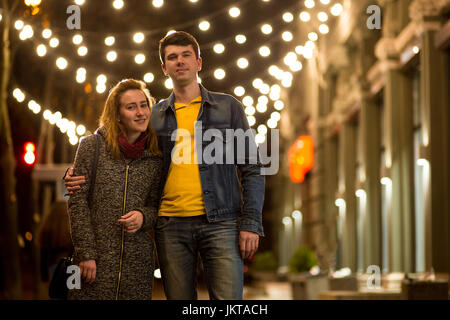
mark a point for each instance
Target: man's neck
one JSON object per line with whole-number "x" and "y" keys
{"x": 185, "y": 94}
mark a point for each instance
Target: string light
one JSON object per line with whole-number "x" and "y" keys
{"x": 322, "y": 16}
{"x": 287, "y": 36}
{"x": 54, "y": 42}
{"x": 82, "y": 51}
{"x": 19, "y": 25}
{"x": 219, "y": 48}
{"x": 77, "y": 39}
{"x": 242, "y": 63}
{"x": 149, "y": 77}
{"x": 41, "y": 50}
{"x": 26, "y": 33}
{"x": 139, "y": 58}
{"x": 118, "y": 4}
{"x": 81, "y": 75}
{"x": 46, "y": 33}
{"x": 219, "y": 73}
{"x": 266, "y": 29}
{"x": 79, "y": 2}
{"x": 288, "y": 17}
{"x": 65, "y": 126}
{"x": 111, "y": 56}
{"x": 204, "y": 25}
{"x": 239, "y": 91}
{"x": 336, "y": 9}
{"x": 234, "y": 12}
{"x": 264, "y": 51}
{"x": 310, "y": 4}
{"x": 168, "y": 84}
{"x": 109, "y": 41}
{"x": 324, "y": 29}
{"x": 278, "y": 105}
{"x": 19, "y": 95}
{"x": 158, "y": 3}
{"x": 240, "y": 38}
{"x": 305, "y": 16}
{"x": 61, "y": 63}
{"x": 247, "y": 101}
{"x": 313, "y": 36}
{"x": 250, "y": 110}
{"x": 257, "y": 83}
{"x": 138, "y": 37}
{"x": 261, "y": 108}
{"x": 251, "y": 121}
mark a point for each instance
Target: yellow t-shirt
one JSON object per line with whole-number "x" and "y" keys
{"x": 182, "y": 196}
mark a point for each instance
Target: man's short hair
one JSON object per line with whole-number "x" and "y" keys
{"x": 177, "y": 38}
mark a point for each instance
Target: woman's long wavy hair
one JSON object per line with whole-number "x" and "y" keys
{"x": 110, "y": 116}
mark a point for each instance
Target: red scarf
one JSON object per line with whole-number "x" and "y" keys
{"x": 133, "y": 151}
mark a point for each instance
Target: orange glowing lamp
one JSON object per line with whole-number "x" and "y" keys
{"x": 301, "y": 158}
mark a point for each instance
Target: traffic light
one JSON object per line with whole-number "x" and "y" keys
{"x": 29, "y": 157}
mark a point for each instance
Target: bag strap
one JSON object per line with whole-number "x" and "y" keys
{"x": 94, "y": 170}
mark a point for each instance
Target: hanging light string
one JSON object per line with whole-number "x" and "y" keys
{"x": 73, "y": 130}
{"x": 285, "y": 77}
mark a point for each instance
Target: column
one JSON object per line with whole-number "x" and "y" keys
{"x": 435, "y": 104}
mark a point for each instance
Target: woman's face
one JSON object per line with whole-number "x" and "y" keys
{"x": 134, "y": 112}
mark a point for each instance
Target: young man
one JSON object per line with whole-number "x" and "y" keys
{"x": 205, "y": 209}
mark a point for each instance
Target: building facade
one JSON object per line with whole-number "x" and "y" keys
{"x": 375, "y": 99}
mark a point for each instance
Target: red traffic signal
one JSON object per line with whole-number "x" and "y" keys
{"x": 29, "y": 157}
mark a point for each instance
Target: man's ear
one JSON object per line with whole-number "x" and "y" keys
{"x": 199, "y": 63}
{"x": 163, "y": 67}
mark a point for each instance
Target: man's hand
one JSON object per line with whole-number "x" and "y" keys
{"x": 132, "y": 221}
{"x": 73, "y": 183}
{"x": 248, "y": 243}
{"x": 88, "y": 270}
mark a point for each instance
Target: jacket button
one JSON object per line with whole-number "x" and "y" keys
{"x": 206, "y": 192}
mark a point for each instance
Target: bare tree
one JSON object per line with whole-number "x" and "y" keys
{"x": 10, "y": 248}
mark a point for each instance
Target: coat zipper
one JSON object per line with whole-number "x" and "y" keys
{"x": 123, "y": 234}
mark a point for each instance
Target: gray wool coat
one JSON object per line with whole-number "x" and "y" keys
{"x": 96, "y": 234}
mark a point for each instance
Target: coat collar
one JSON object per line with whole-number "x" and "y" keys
{"x": 207, "y": 99}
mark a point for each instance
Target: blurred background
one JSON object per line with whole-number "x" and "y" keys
{"x": 357, "y": 92}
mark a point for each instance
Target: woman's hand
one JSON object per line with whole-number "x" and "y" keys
{"x": 132, "y": 221}
{"x": 88, "y": 270}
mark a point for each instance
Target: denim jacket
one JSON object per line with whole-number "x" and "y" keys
{"x": 225, "y": 195}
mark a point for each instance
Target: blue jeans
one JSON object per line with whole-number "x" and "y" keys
{"x": 180, "y": 240}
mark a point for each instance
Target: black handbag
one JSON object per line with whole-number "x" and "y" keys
{"x": 58, "y": 285}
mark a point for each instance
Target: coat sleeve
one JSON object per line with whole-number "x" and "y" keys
{"x": 150, "y": 211}
{"x": 81, "y": 229}
{"x": 252, "y": 180}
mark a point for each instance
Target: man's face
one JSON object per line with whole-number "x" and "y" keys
{"x": 181, "y": 64}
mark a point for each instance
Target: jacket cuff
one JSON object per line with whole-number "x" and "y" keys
{"x": 252, "y": 226}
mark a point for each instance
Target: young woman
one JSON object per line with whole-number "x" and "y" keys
{"x": 112, "y": 248}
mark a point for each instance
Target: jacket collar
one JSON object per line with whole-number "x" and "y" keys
{"x": 207, "y": 98}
